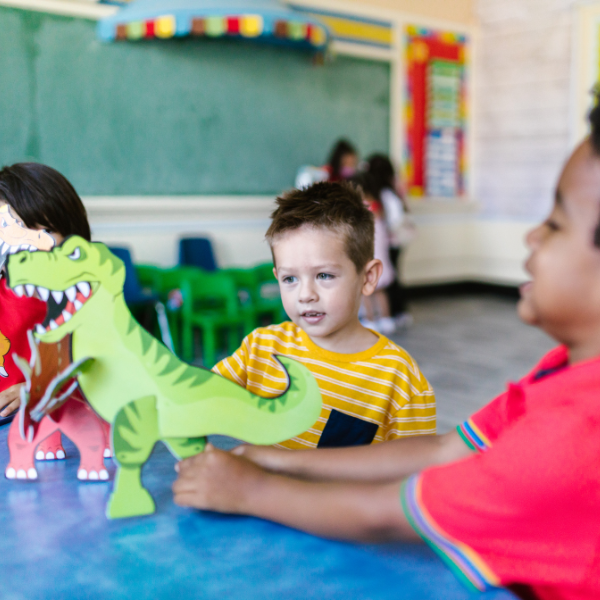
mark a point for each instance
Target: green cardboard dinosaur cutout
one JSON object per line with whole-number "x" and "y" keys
{"x": 132, "y": 381}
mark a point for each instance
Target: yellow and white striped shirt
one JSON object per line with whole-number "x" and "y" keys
{"x": 381, "y": 388}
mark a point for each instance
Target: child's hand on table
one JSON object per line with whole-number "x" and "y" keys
{"x": 217, "y": 480}
{"x": 10, "y": 399}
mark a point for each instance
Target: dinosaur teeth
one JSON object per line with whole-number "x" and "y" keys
{"x": 53, "y": 324}
{"x": 84, "y": 288}
{"x": 40, "y": 329}
{"x": 58, "y": 296}
{"x": 43, "y": 293}
{"x": 19, "y": 290}
{"x": 66, "y": 315}
{"x": 14, "y": 249}
{"x": 24, "y": 247}
{"x": 77, "y": 304}
{"x": 5, "y": 248}
{"x": 30, "y": 289}
{"x": 71, "y": 294}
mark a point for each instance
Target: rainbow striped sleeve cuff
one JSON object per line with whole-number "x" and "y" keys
{"x": 473, "y": 437}
{"x": 464, "y": 562}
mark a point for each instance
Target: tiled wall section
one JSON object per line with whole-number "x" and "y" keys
{"x": 522, "y": 92}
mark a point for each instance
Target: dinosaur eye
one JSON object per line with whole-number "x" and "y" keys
{"x": 3, "y": 223}
{"x": 76, "y": 254}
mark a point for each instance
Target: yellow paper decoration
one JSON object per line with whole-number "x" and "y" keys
{"x": 215, "y": 26}
{"x": 135, "y": 30}
{"x": 164, "y": 27}
{"x": 317, "y": 36}
{"x": 251, "y": 26}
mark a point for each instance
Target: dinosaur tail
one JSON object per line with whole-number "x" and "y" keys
{"x": 228, "y": 409}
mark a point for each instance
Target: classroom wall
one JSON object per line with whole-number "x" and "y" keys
{"x": 460, "y": 11}
{"x": 523, "y": 97}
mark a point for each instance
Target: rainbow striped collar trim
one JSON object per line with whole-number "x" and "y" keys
{"x": 473, "y": 436}
{"x": 462, "y": 560}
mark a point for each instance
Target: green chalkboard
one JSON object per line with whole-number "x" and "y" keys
{"x": 179, "y": 116}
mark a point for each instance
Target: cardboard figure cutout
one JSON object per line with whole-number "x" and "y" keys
{"x": 14, "y": 237}
{"x": 49, "y": 379}
{"x": 131, "y": 380}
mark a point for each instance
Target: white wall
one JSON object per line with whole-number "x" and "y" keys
{"x": 523, "y": 95}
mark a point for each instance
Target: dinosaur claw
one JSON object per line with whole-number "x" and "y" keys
{"x": 93, "y": 476}
{"x": 50, "y": 456}
{"x": 10, "y": 473}
{"x": 104, "y": 475}
{"x": 60, "y": 455}
{"x": 31, "y": 473}
{"x": 39, "y": 455}
{"x": 21, "y": 474}
{"x": 82, "y": 474}
{"x": 107, "y": 453}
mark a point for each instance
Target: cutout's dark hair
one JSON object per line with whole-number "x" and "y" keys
{"x": 595, "y": 141}
{"x": 336, "y": 206}
{"x": 42, "y": 197}
{"x": 341, "y": 149}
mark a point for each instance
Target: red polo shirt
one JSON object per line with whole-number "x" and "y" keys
{"x": 526, "y": 508}
{"x": 17, "y": 315}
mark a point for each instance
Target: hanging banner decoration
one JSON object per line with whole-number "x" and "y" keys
{"x": 436, "y": 113}
{"x": 267, "y": 21}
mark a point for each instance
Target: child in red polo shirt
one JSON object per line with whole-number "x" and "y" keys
{"x": 512, "y": 498}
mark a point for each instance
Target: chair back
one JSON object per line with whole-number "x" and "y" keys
{"x": 210, "y": 290}
{"x": 197, "y": 252}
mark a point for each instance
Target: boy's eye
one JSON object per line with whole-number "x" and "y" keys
{"x": 324, "y": 276}
{"x": 289, "y": 279}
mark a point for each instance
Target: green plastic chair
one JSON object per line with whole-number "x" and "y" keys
{"x": 267, "y": 298}
{"x": 211, "y": 304}
{"x": 247, "y": 284}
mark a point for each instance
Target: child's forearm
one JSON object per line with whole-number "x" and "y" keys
{"x": 388, "y": 461}
{"x": 219, "y": 481}
{"x": 349, "y": 511}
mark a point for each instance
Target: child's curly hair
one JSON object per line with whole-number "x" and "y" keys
{"x": 594, "y": 119}
{"x": 335, "y": 206}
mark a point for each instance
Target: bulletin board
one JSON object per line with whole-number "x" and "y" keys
{"x": 436, "y": 113}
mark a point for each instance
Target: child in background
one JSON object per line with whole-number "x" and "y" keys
{"x": 343, "y": 161}
{"x": 400, "y": 228}
{"x": 377, "y": 306}
{"x": 43, "y": 200}
{"x": 322, "y": 243}
{"x": 512, "y": 497}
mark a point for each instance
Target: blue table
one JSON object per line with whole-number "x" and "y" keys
{"x": 55, "y": 543}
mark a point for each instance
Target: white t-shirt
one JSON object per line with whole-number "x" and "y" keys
{"x": 394, "y": 214}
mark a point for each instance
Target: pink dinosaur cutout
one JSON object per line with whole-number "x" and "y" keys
{"x": 49, "y": 373}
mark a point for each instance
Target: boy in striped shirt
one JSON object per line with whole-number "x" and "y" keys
{"x": 322, "y": 241}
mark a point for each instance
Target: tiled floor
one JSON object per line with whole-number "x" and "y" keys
{"x": 469, "y": 347}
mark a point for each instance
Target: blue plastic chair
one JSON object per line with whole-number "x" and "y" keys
{"x": 197, "y": 252}
{"x": 132, "y": 291}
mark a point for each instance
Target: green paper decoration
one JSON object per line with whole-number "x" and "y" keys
{"x": 132, "y": 381}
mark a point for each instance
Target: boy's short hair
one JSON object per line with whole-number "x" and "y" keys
{"x": 335, "y": 206}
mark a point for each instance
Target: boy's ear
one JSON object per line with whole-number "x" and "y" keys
{"x": 275, "y": 273}
{"x": 373, "y": 271}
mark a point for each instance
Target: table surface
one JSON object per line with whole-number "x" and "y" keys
{"x": 56, "y": 542}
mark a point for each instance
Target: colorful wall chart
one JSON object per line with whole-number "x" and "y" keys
{"x": 436, "y": 113}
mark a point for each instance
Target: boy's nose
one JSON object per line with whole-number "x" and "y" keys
{"x": 532, "y": 237}
{"x": 307, "y": 293}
